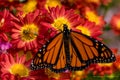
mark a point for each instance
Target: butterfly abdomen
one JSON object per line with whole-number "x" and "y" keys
{"x": 66, "y": 38}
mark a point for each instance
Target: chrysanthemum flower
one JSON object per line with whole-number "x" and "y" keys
{"x": 117, "y": 62}
{"x": 39, "y": 75}
{"x": 58, "y": 76}
{"x": 106, "y": 2}
{"x": 96, "y": 2}
{"x": 90, "y": 29}
{"x": 115, "y": 23}
{"x": 16, "y": 66}
{"x": 65, "y": 75}
{"x": 29, "y": 6}
{"x": 4, "y": 43}
{"x": 51, "y": 74}
{"x": 92, "y": 16}
{"x": 100, "y": 69}
{"x": 52, "y": 3}
{"x": 9, "y": 4}
{"x": 3, "y": 37}
{"x": 78, "y": 75}
{"x": 48, "y": 3}
{"x": 5, "y": 20}
{"x": 27, "y": 33}
{"x": 61, "y": 16}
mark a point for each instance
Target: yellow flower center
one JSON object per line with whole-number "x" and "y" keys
{"x": 77, "y": 74}
{"x": 118, "y": 24}
{"x": 91, "y": 16}
{"x": 2, "y": 22}
{"x": 52, "y": 3}
{"x": 84, "y": 30}
{"x": 19, "y": 69}
{"x": 94, "y": 1}
{"x": 30, "y": 6}
{"x": 105, "y": 64}
{"x": 58, "y": 23}
{"x": 29, "y": 32}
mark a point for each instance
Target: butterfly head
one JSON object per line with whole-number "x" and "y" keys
{"x": 65, "y": 28}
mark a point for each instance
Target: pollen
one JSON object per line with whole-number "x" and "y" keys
{"x": 52, "y": 3}
{"x": 94, "y": 1}
{"x": 29, "y": 6}
{"x": 58, "y": 23}
{"x": 19, "y": 69}
{"x": 29, "y": 32}
{"x": 105, "y": 64}
{"x": 91, "y": 16}
{"x": 84, "y": 30}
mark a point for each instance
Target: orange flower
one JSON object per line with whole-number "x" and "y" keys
{"x": 115, "y": 23}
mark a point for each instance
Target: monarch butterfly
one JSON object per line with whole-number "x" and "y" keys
{"x": 71, "y": 50}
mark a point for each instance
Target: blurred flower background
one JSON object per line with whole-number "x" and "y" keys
{"x": 26, "y": 25}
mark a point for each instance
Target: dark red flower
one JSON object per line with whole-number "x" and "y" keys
{"x": 5, "y": 19}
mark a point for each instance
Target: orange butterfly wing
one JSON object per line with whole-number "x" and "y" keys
{"x": 83, "y": 51}
{"x": 51, "y": 55}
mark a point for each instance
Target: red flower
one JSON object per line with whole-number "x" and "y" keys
{"x": 106, "y": 2}
{"x": 92, "y": 16}
{"x": 3, "y": 37}
{"x": 48, "y": 3}
{"x": 115, "y": 23}
{"x": 117, "y": 62}
{"x": 61, "y": 16}
{"x": 28, "y": 33}
{"x": 10, "y": 4}
{"x": 90, "y": 29}
{"x": 100, "y": 69}
{"x": 10, "y": 66}
{"x": 27, "y": 7}
{"x": 39, "y": 75}
{"x": 17, "y": 68}
{"x": 5, "y": 21}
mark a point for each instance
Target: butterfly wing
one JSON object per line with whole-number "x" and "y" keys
{"x": 51, "y": 55}
{"x": 85, "y": 50}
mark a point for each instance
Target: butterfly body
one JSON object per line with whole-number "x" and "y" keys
{"x": 71, "y": 50}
